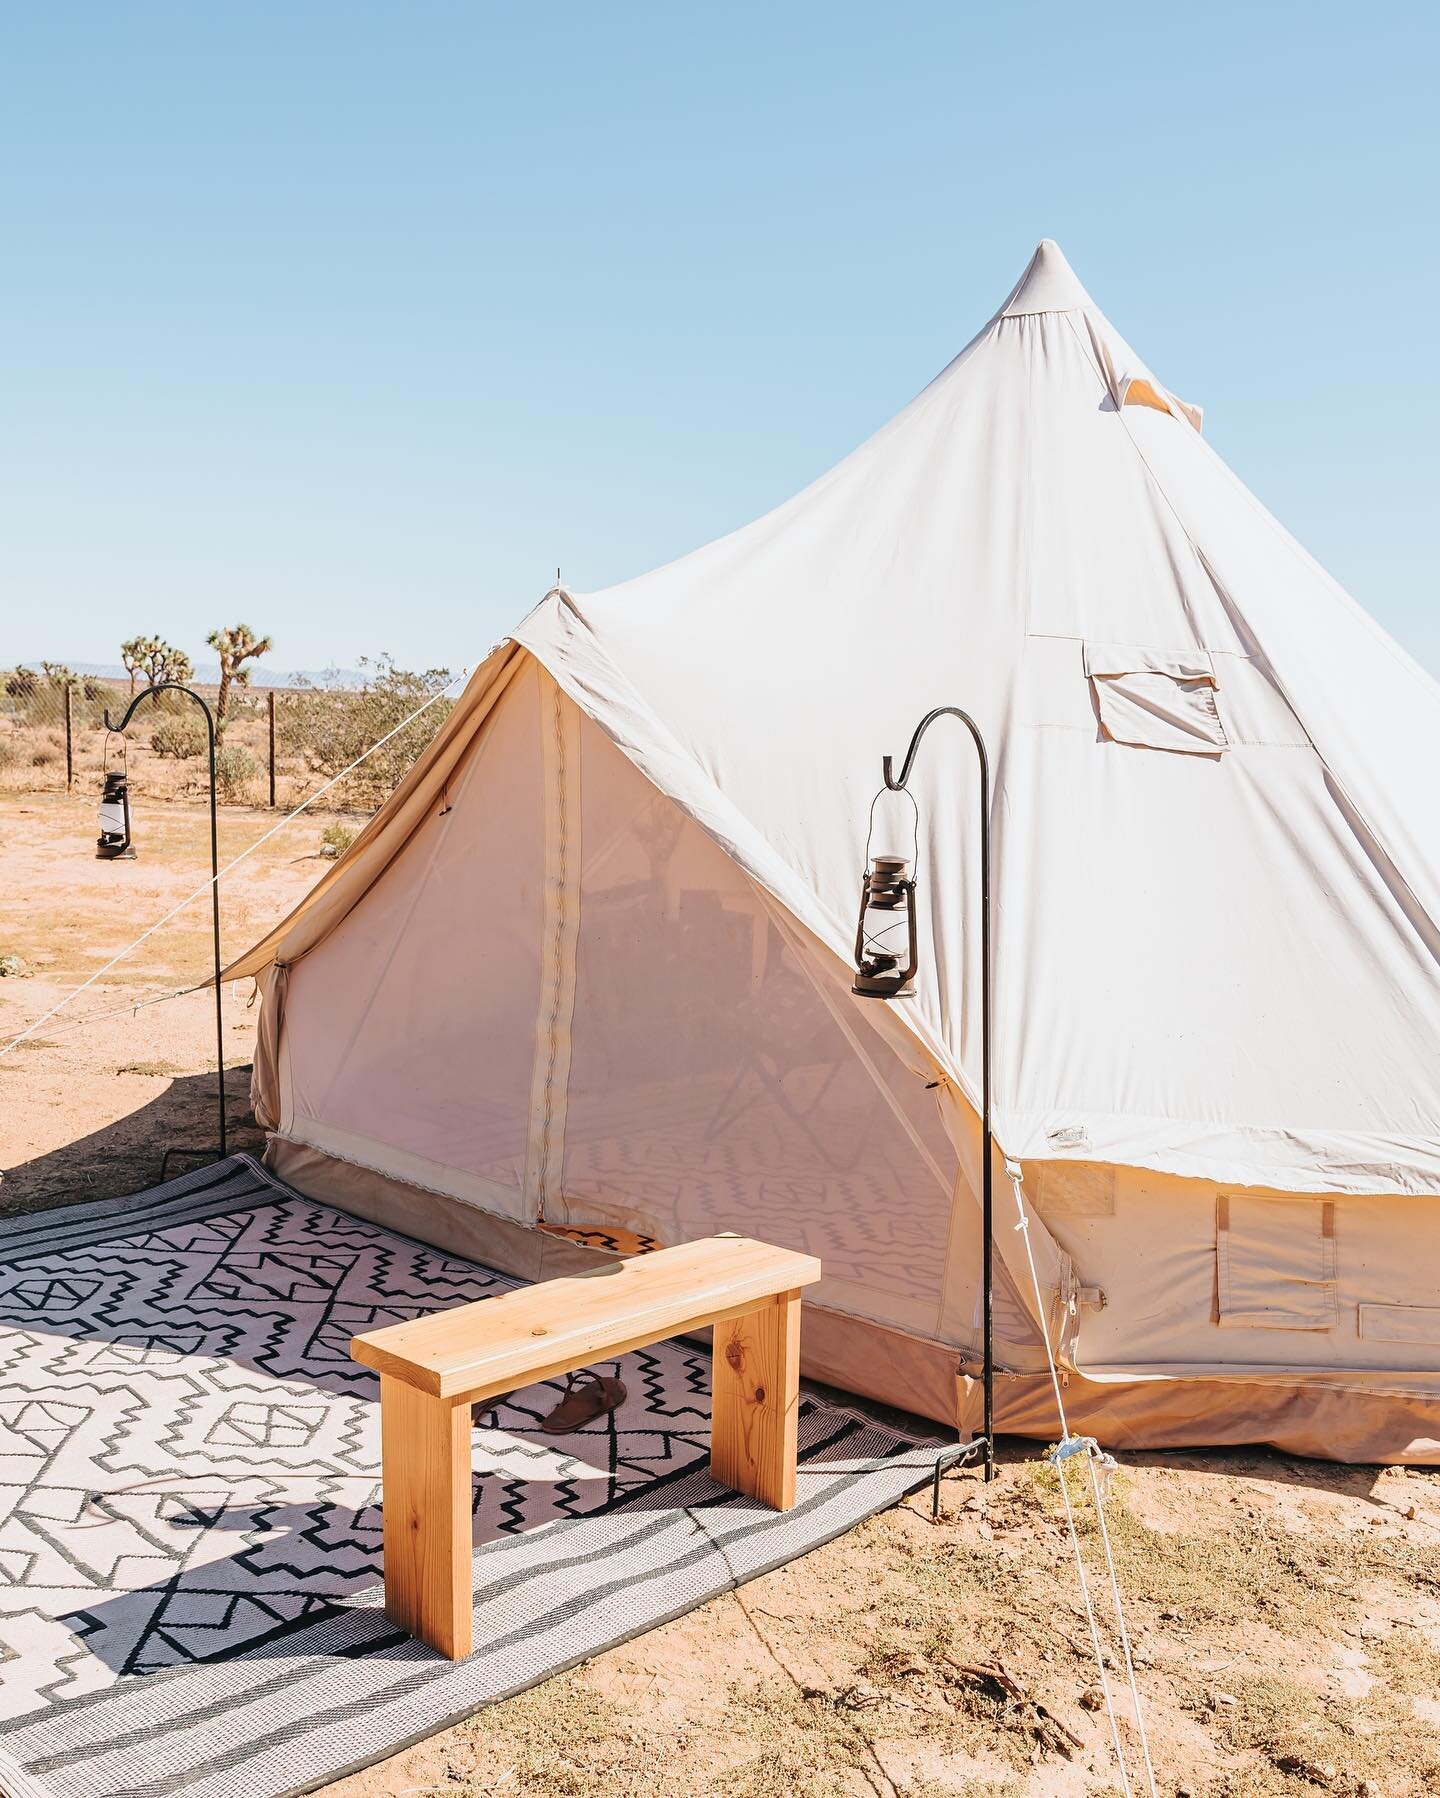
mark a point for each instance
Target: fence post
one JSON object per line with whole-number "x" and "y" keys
{"x": 69, "y": 741}
{"x": 272, "y": 748}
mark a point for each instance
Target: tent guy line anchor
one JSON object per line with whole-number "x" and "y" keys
{"x": 1066, "y": 1450}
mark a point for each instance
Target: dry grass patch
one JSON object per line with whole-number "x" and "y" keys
{"x": 1370, "y": 1745}
{"x": 1408, "y": 1662}
{"x": 806, "y": 1743}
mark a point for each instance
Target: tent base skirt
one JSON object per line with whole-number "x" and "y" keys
{"x": 1337, "y": 1420}
{"x": 871, "y": 1360}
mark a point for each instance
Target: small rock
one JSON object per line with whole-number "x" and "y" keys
{"x": 1227, "y": 1699}
{"x": 1317, "y": 1772}
{"x": 14, "y": 967}
{"x": 1091, "y": 1699}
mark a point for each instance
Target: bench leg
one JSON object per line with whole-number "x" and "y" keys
{"x": 425, "y": 1505}
{"x": 756, "y": 1405}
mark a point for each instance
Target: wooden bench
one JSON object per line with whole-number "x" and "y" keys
{"x": 434, "y": 1368}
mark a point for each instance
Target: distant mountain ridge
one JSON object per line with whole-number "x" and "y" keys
{"x": 207, "y": 674}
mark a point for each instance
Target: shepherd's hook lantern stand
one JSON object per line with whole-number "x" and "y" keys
{"x": 115, "y": 845}
{"x": 887, "y": 910}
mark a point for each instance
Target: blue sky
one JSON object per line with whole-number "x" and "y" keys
{"x": 354, "y": 320}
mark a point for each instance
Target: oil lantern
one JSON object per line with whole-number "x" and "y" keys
{"x": 885, "y": 943}
{"x": 113, "y": 843}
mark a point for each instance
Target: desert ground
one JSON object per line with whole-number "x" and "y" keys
{"x": 1286, "y": 1613}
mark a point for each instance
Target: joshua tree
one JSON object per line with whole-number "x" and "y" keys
{"x": 57, "y": 674}
{"x": 235, "y": 646}
{"x": 132, "y": 654}
{"x": 156, "y": 659}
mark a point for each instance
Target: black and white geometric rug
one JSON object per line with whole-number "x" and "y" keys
{"x": 190, "y": 1500}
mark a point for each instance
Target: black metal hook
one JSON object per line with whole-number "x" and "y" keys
{"x": 151, "y": 692}
{"x": 987, "y": 1142}
{"x": 941, "y": 711}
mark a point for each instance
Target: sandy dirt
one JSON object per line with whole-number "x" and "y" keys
{"x": 88, "y": 1104}
{"x": 1285, "y": 1613}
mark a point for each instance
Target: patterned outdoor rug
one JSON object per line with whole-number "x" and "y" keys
{"x": 189, "y": 1500}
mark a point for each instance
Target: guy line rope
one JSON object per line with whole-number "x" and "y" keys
{"x": 200, "y": 891}
{"x": 1070, "y": 1446}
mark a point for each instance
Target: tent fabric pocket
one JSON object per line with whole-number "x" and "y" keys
{"x": 1400, "y": 1323}
{"x": 1156, "y": 698}
{"x": 1275, "y": 1263}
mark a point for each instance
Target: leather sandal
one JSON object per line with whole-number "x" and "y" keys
{"x": 587, "y": 1396}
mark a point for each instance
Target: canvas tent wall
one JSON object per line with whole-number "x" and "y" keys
{"x": 590, "y": 958}
{"x": 562, "y": 1002}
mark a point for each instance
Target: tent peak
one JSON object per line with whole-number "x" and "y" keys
{"x": 1049, "y": 284}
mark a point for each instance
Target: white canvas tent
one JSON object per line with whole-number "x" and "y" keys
{"x": 590, "y": 963}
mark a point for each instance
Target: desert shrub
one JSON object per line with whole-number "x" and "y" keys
{"x": 329, "y": 727}
{"x": 92, "y": 697}
{"x": 9, "y": 753}
{"x": 22, "y": 683}
{"x": 42, "y": 758}
{"x": 179, "y": 737}
{"x": 235, "y": 768}
{"x": 336, "y": 838}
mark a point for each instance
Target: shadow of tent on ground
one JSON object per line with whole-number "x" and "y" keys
{"x": 124, "y": 1156}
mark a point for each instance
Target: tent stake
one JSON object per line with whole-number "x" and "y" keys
{"x": 987, "y": 1145}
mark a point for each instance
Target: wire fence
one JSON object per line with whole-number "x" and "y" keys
{"x": 278, "y": 745}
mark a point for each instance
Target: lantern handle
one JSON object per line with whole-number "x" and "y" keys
{"x": 110, "y": 731}
{"x": 915, "y": 835}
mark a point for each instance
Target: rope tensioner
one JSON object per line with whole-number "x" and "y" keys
{"x": 1103, "y": 1464}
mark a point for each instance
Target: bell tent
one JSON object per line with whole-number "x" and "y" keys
{"x": 589, "y": 966}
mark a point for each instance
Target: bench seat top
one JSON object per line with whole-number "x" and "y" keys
{"x": 518, "y": 1338}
